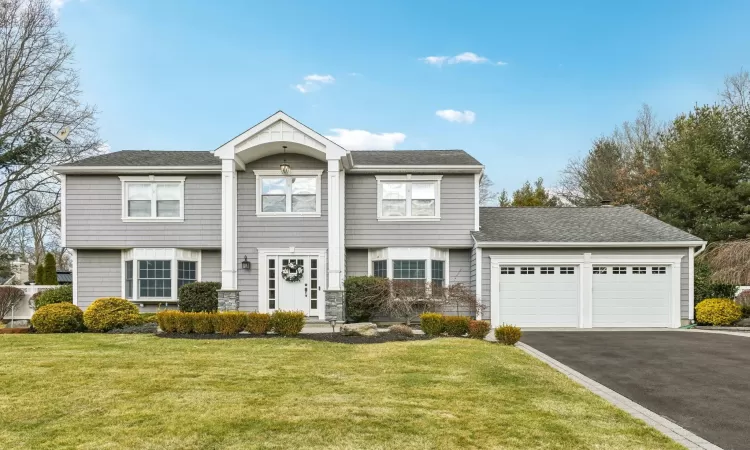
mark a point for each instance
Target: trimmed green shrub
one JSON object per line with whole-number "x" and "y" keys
{"x": 432, "y": 324}
{"x": 184, "y": 323}
{"x": 39, "y": 277}
{"x": 365, "y": 296}
{"x": 167, "y": 321}
{"x": 717, "y": 311}
{"x": 58, "y": 318}
{"x": 109, "y": 313}
{"x": 508, "y": 334}
{"x": 401, "y": 330}
{"x": 148, "y": 318}
{"x": 705, "y": 287}
{"x": 456, "y": 325}
{"x": 203, "y": 322}
{"x": 50, "y": 270}
{"x": 288, "y": 323}
{"x": 230, "y": 323}
{"x": 63, "y": 294}
{"x": 201, "y": 296}
{"x": 478, "y": 329}
{"x": 258, "y": 323}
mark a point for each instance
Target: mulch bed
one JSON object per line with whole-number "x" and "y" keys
{"x": 146, "y": 328}
{"x": 323, "y": 337}
{"x": 15, "y": 330}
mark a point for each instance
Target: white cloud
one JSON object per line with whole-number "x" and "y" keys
{"x": 456, "y": 116}
{"x": 313, "y": 83}
{"x": 364, "y": 140}
{"x": 502, "y": 63}
{"x": 465, "y": 57}
{"x": 315, "y": 78}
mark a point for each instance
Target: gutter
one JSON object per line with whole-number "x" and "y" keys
{"x": 416, "y": 169}
{"x": 120, "y": 170}
{"x": 589, "y": 244}
{"x": 702, "y": 248}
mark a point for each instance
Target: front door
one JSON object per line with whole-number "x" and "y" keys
{"x": 298, "y": 284}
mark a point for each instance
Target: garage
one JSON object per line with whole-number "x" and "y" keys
{"x": 539, "y": 296}
{"x": 631, "y": 295}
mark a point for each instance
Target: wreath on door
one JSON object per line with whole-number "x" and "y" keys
{"x": 292, "y": 272}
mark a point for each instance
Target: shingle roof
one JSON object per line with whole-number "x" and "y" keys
{"x": 413, "y": 158}
{"x": 567, "y": 225}
{"x": 142, "y": 158}
{"x": 64, "y": 277}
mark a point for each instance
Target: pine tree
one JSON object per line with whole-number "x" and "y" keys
{"x": 39, "y": 278}
{"x": 50, "y": 270}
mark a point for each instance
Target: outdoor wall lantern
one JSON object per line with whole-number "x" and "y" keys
{"x": 245, "y": 264}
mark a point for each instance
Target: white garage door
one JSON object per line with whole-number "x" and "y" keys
{"x": 539, "y": 296}
{"x": 631, "y": 296}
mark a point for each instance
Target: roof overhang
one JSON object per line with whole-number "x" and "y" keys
{"x": 121, "y": 170}
{"x": 662, "y": 244}
{"x": 416, "y": 169}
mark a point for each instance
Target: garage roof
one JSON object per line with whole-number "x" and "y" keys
{"x": 603, "y": 224}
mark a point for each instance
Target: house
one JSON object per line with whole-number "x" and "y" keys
{"x": 281, "y": 215}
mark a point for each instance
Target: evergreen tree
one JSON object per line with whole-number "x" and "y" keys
{"x": 530, "y": 196}
{"x": 39, "y": 278}
{"x": 50, "y": 270}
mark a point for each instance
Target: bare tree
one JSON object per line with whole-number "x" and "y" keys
{"x": 729, "y": 262}
{"x": 487, "y": 196}
{"x": 39, "y": 96}
{"x": 736, "y": 92}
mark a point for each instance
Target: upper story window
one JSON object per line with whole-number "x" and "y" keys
{"x": 297, "y": 194}
{"x": 409, "y": 197}
{"x": 153, "y": 199}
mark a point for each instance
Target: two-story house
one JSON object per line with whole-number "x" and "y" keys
{"x": 281, "y": 215}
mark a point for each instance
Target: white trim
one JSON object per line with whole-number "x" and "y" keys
{"x": 118, "y": 170}
{"x": 63, "y": 211}
{"x": 265, "y": 253}
{"x": 261, "y": 174}
{"x": 477, "y": 189}
{"x": 152, "y": 180}
{"x": 415, "y": 169}
{"x": 512, "y": 244}
{"x": 691, "y": 283}
{"x": 74, "y": 264}
{"x": 174, "y": 255}
{"x": 335, "y": 231}
{"x": 478, "y": 279}
{"x": 228, "y": 225}
{"x": 408, "y": 179}
{"x": 426, "y": 254}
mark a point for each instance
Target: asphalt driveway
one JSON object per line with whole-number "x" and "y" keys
{"x": 700, "y": 381}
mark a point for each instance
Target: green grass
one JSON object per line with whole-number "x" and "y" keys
{"x": 129, "y": 391}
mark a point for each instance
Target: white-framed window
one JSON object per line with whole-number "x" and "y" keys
{"x": 156, "y": 274}
{"x": 618, "y": 270}
{"x": 660, "y": 270}
{"x": 568, "y": 270}
{"x": 527, "y": 271}
{"x": 547, "y": 270}
{"x": 600, "y": 270}
{"x": 507, "y": 270}
{"x": 640, "y": 270}
{"x": 296, "y": 194}
{"x": 380, "y": 268}
{"x": 423, "y": 265}
{"x": 408, "y": 197}
{"x": 153, "y": 198}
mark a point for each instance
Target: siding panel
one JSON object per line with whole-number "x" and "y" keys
{"x": 356, "y": 263}
{"x": 99, "y": 275}
{"x": 211, "y": 265}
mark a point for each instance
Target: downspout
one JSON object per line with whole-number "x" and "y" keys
{"x": 703, "y": 247}
{"x": 697, "y": 252}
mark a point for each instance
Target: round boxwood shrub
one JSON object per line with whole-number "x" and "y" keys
{"x": 58, "y": 318}
{"x": 63, "y": 294}
{"x": 508, "y": 334}
{"x": 109, "y": 313}
{"x": 478, "y": 329}
{"x": 288, "y": 323}
{"x": 717, "y": 311}
{"x": 365, "y": 296}
{"x": 456, "y": 325}
{"x": 201, "y": 296}
{"x": 432, "y": 324}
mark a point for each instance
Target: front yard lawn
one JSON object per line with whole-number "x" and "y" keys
{"x": 135, "y": 391}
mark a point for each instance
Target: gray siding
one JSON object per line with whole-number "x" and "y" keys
{"x": 453, "y": 230}
{"x": 94, "y": 215}
{"x": 473, "y": 270}
{"x": 356, "y": 263}
{"x": 460, "y": 266}
{"x": 255, "y": 232}
{"x": 684, "y": 270}
{"x": 99, "y": 275}
{"x": 211, "y": 265}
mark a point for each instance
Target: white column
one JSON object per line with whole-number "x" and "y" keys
{"x": 587, "y": 292}
{"x": 228, "y": 225}
{"x": 478, "y": 280}
{"x": 335, "y": 231}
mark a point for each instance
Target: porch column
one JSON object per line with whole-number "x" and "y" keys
{"x": 334, "y": 296}
{"x": 228, "y": 295}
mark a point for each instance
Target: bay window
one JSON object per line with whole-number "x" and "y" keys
{"x": 408, "y": 197}
{"x": 156, "y": 274}
{"x": 295, "y": 195}
{"x": 153, "y": 198}
{"x": 423, "y": 266}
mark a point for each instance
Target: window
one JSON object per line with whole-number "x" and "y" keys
{"x": 507, "y": 270}
{"x": 313, "y": 283}
{"x": 128, "y": 279}
{"x": 567, "y": 270}
{"x": 661, "y": 270}
{"x": 547, "y": 270}
{"x": 409, "y": 197}
{"x": 527, "y": 271}
{"x": 619, "y": 270}
{"x": 380, "y": 268}
{"x": 152, "y": 198}
{"x": 185, "y": 273}
{"x": 413, "y": 271}
{"x": 298, "y": 194}
{"x": 438, "y": 273}
{"x": 639, "y": 270}
{"x": 599, "y": 270}
{"x": 155, "y": 279}
{"x": 272, "y": 283}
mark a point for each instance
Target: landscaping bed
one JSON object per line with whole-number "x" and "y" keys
{"x": 322, "y": 337}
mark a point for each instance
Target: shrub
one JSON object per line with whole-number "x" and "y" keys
{"x": 258, "y": 323}
{"x": 365, "y": 296}
{"x": 58, "y": 318}
{"x": 110, "y": 312}
{"x": 508, "y": 334}
{"x": 432, "y": 324}
{"x": 183, "y": 323}
{"x": 148, "y": 318}
{"x": 39, "y": 277}
{"x": 203, "y": 322}
{"x": 288, "y": 323}
{"x": 63, "y": 294}
{"x": 50, "y": 270}
{"x": 200, "y": 297}
{"x": 743, "y": 299}
{"x": 167, "y": 321}
{"x": 401, "y": 330}
{"x": 10, "y": 297}
{"x": 230, "y": 323}
{"x": 705, "y": 287}
{"x": 478, "y": 329}
{"x": 456, "y": 325}
{"x": 717, "y": 311}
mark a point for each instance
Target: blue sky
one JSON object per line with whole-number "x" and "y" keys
{"x": 192, "y": 74}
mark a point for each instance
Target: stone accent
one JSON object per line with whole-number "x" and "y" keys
{"x": 359, "y": 329}
{"x": 229, "y": 300}
{"x": 335, "y": 306}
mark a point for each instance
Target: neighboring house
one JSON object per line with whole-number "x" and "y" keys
{"x": 280, "y": 197}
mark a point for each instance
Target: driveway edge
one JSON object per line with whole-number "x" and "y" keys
{"x": 667, "y": 427}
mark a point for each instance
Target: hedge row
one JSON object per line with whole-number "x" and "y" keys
{"x": 284, "y": 323}
{"x": 103, "y": 315}
{"x": 435, "y": 324}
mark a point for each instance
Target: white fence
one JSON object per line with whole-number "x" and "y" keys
{"x": 25, "y": 308}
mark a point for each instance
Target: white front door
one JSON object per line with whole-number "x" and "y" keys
{"x": 301, "y": 295}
